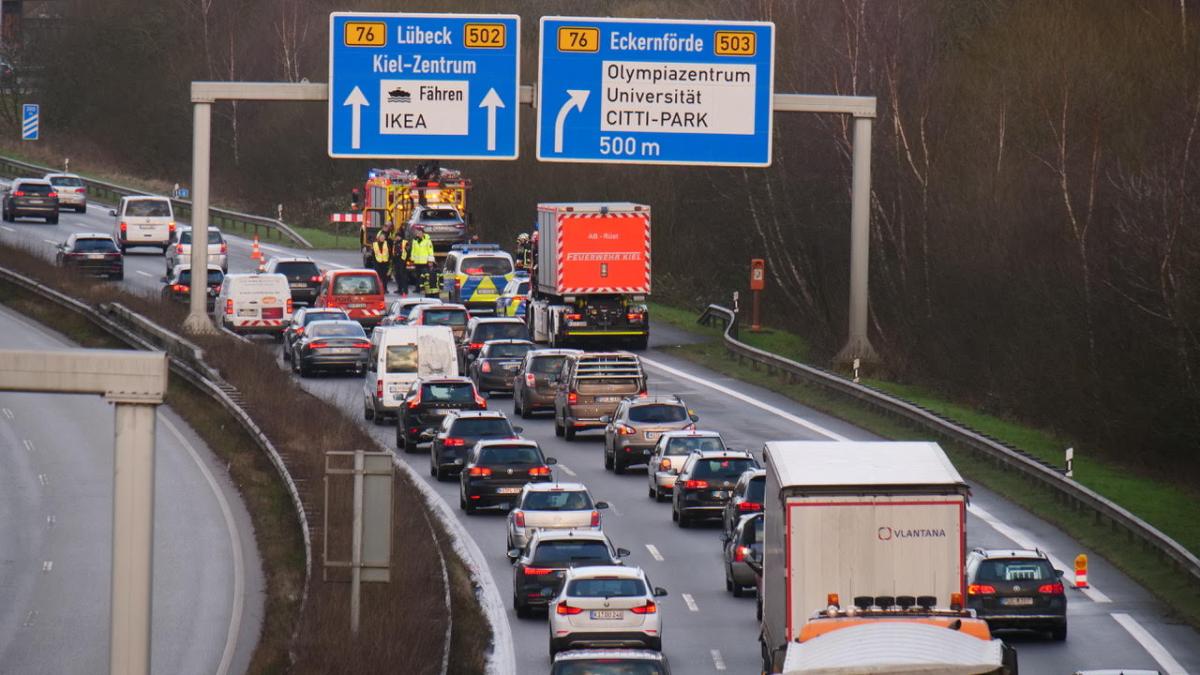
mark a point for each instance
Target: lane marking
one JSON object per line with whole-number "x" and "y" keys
{"x": 47, "y": 566}
{"x": 30, "y": 618}
{"x": 51, "y": 242}
{"x": 1023, "y": 540}
{"x": 654, "y": 552}
{"x": 28, "y": 445}
{"x": 10, "y": 229}
{"x": 235, "y": 543}
{"x": 816, "y": 428}
{"x": 1169, "y": 665}
{"x": 50, "y": 520}
{"x": 43, "y": 479}
{"x": 690, "y": 602}
{"x": 567, "y": 470}
{"x": 718, "y": 660}
{"x": 612, "y": 506}
{"x": 145, "y": 274}
{"x": 9, "y": 414}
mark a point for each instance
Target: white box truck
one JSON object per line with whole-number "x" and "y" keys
{"x": 859, "y": 519}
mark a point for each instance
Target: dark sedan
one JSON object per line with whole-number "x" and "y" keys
{"x": 92, "y": 254}
{"x": 331, "y": 345}
{"x": 495, "y": 472}
{"x": 460, "y": 431}
{"x": 300, "y": 321}
{"x": 497, "y": 364}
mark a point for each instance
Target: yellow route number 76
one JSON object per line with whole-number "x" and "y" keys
{"x": 365, "y": 34}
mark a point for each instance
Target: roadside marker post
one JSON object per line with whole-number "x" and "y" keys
{"x": 1081, "y": 565}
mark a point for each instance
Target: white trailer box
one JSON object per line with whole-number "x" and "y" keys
{"x": 857, "y": 519}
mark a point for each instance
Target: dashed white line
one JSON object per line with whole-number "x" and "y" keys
{"x": 28, "y": 445}
{"x": 718, "y": 660}
{"x": 10, "y": 229}
{"x": 43, "y": 479}
{"x": 145, "y": 274}
{"x": 50, "y": 520}
{"x": 1169, "y": 665}
{"x": 47, "y": 566}
{"x": 30, "y": 618}
{"x": 654, "y": 552}
{"x": 690, "y": 602}
{"x": 9, "y": 414}
{"x": 567, "y": 470}
{"x": 613, "y": 507}
{"x": 51, "y": 242}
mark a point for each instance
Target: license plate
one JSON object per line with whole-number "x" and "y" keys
{"x": 607, "y": 614}
{"x": 95, "y": 256}
{"x": 357, "y": 305}
{"x": 247, "y": 312}
{"x": 576, "y": 324}
{"x": 508, "y": 490}
{"x": 296, "y": 285}
{"x": 511, "y": 366}
{"x": 145, "y": 227}
{"x": 607, "y": 399}
{"x": 651, "y": 435}
{"x": 458, "y": 460}
{"x": 1016, "y": 602}
{"x": 720, "y": 494}
{"x": 341, "y": 350}
{"x": 395, "y": 388}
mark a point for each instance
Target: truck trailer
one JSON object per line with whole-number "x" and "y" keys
{"x": 591, "y": 275}
{"x": 877, "y": 521}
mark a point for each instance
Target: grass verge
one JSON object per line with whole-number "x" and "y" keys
{"x": 1151, "y": 500}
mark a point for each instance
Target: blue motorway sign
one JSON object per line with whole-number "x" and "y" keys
{"x": 646, "y": 91}
{"x": 30, "y": 121}
{"x": 424, "y": 85}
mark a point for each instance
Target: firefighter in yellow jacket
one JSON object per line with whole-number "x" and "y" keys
{"x": 421, "y": 254}
{"x": 381, "y": 253}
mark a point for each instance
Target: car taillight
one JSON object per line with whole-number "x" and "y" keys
{"x": 379, "y": 391}
{"x": 170, "y": 227}
{"x": 573, "y": 317}
{"x": 695, "y": 484}
{"x": 572, "y": 398}
{"x": 564, "y": 608}
{"x": 519, "y": 518}
{"x": 486, "y": 367}
{"x": 530, "y": 379}
{"x": 179, "y": 288}
{"x": 475, "y": 346}
{"x": 299, "y": 329}
{"x": 53, "y": 195}
{"x": 741, "y": 553}
{"x": 540, "y": 471}
{"x": 665, "y": 465}
{"x": 290, "y": 306}
{"x": 747, "y": 507}
{"x": 595, "y": 519}
{"x": 19, "y": 193}
{"x": 537, "y": 571}
{"x": 648, "y": 608}
{"x": 980, "y": 589}
{"x": 481, "y": 402}
{"x": 318, "y": 344}
{"x": 452, "y": 442}
{"x": 179, "y": 248}
{"x": 315, "y": 279}
{"x": 643, "y": 394}
{"x": 634, "y": 318}
{"x": 229, "y": 306}
{"x": 224, "y": 248}
{"x": 1055, "y": 588}
{"x": 626, "y": 430}
{"x": 361, "y": 345}
{"x": 124, "y": 228}
{"x": 479, "y": 471}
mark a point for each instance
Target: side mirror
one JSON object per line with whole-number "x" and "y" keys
{"x": 1058, "y": 573}
{"x": 600, "y": 506}
{"x": 112, "y": 212}
{"x": 606, "y": 419}
{"x": 519, "y": 430}
{"x": 550, "y": 461}
{"x": 659, "y": 592}
{"x": 623, "y": 553}
{"x": 694, "y": 417}
{"x": 513, "y": 554}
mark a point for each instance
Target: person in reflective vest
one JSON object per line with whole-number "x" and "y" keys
{"x": 421, "y": 253}
{"x": 382, "y": 255}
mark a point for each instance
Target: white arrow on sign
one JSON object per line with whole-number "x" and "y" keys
{"x": 357, "y": 100}
{"x": 491, "y": 102}
{"x": 578, "y": 98}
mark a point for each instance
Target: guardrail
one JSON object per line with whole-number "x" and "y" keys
{"x": 1070, "y": 492}
{"x": 186, "y": 360}
{"x": 110, "y": 193}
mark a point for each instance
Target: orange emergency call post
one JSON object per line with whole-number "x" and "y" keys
{"x": 758, "y": 278}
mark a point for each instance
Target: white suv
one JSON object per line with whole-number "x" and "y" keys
{"x": 606, "y": 606}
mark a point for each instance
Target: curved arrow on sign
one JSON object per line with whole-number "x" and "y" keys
{"x": 578, "y": 98}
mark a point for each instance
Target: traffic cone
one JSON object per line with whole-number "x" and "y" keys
{"x": 1081, "y": 580}
{"x": 255, "y": 251}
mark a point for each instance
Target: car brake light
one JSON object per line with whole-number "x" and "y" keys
{"x": 519, "y": 518}
{"x": 595, "y": 519}
{"x": 229, "y": 306}
{"x": 749, "y": 506}
{"x": 19, "y": 193}
{"x": 52, "y": 195}
{"x": 626, "y": 430}
{"x": 695, "y": 484}
{"x": 481, "y": 402}
{"x": 475, "y": 346}
{"x": 179, "y": 288}
{"x": 299, "y": 329}
{"x": 648, "y": 608}
{"x": 290, "y": 306}
{"x": 574, "y": 317}
{"x": 572, "y": 398}
{"x": 540, "y": 471}
{"x": 179, "y": 248}
{"x": 537, "y": 571}
{"x": 564, "y": 608}
{"x": 170, "y": 227}
{"x": 224, "y": 248}
{"x": 486, "y": 367}
{"x": 1055, "y": 588}
{"x": 361, "y": 345}
{"x": 315, "y": 279}
{"x": 452, "y": 442}
{"x": 741, "y": 553}
{"x": 479, "y": 471}
{"x": 124, "y": 228}
{"x": 379, "y": 391}
{"x": 980, "y": 589}
{"x": 665, "y": 465}
{"x": 634, "y": 318}
{"x": 318, "y": 344}
{"x": 645, "y": 394}
{"x": 530, "y": 379}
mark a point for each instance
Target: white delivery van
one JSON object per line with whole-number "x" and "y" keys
{"x": 254, "y": 303}
{"x": 144, "y": 221}
{"x": 874, "y": 520}
{"x": 399, "y": 356}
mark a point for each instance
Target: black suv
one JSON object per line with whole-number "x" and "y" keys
{"x": 459, "y": 433}
{"x": 427, "y": 402}
{"x": 303, "y": 275}
{"x": 1017, "y": 589}
{"x": 496, "y": 366}
{"x": 705, "y": 484}
{"x": 32, "y": 197}
{"x": 496, "y": 470}
{"x": 482, "y": 329}
{"x": 538, "y": 571}
{"x": 747, "y": 499}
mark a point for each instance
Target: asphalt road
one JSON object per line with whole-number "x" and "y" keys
{"x": 1118, "y": 625}
{"x": 56, "y": 533}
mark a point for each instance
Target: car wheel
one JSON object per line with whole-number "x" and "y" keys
{"x": 51, "y": 220}
{"x": 758, "y": 608}
{"x": 1059, "y": 633}
{"x": 660, "y": 496}
{"x": 618, "y": 467}
{"x": 521, "y": 608}
{"x": 729, "y": 581}
{"x": 568, "y": 431}
{"x": 738, "y": 591}
{"x": 655, "y": 644}
{"x": 304, "y": 370}
{"x": 409, "y": 448}
{"x": 558, "y": 427}
{"x": 166, "y": 248}
{"x": 674, "y": 514}
{"x": 468, "y": 506}
{"x": 653, "y": 493}
{"x": 440, "y": 473}
{"x": 381, "y": 420}
{"x": 517, "y": 405}
{"x": 608, "y": 461}
{"x": 401, "y": 441}
{"x": 82, "y": 208}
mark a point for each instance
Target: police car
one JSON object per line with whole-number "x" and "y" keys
{"x": 475, "y": 275}
{"x": 515, "y": 297}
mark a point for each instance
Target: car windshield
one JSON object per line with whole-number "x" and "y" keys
{"x": 356, "y": 284}
{"x": 66, "y": 181}
{"x": 407, "y": 310}
{"x": 148, "y": 208}
{"x": 214, "y": 237}
{"x": 756, "y": 488}
{"x": 684, "y": 446}
{"x": 657, "y": 414}
{"x": 443, "y": 317}
{"x": 448, "y": 392}
{"x": 330, "y": 329}
{"x": 557, "y": 500}
{"x": 311, "y": 316}
{"x": 606, "y": 588}
{"x": 547, "y": 365}
{"x": 297, "y": 269}
{"x": 482, "y": 427}
{"x": 608, "y": 665}
{"x": 510, "y": 454}
{"x": 214, "y": 277}
{"x": 725, "y": 468}
{"x": 439, "y": 214}
{"x": 1015, "y": 570}
{"x": 402, "y": 358}
{"x": 562, "y": 553}
{"x": 494, "y": 265}
{"x": 508, "y": 351}
{"x": 95, "y": 245}
{"x": 501, "y": 331}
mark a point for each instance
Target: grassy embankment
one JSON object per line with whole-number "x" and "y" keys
{"x": 1167, "y": 506}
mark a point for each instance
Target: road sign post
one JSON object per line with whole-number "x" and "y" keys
{"x": 371, "y": 520}
{"x": 31, "y": 114}
{"x": 424, "y": 85}
{"x": 647, "y": 91}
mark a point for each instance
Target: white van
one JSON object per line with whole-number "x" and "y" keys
{"x": 254, "y": 303}
{"x": 144, "y": 221}
{"x": 399, "y": 356}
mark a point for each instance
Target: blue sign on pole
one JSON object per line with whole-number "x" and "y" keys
{"x": 30, "y": 121}
{"x": 646, "y": 91}
{"x": 424, "y": 85}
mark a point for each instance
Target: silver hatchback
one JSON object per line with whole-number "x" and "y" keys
{"x": 552, "y": 506}
{"x": 671, "y": 452}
